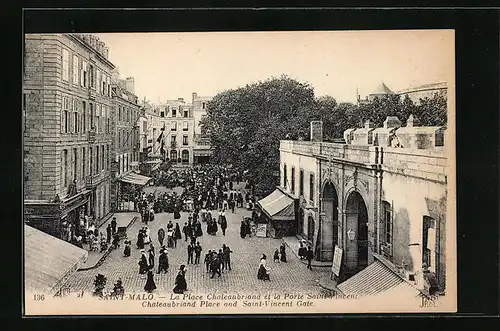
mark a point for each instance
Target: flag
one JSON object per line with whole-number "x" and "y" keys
{"x": 160, "y": 137}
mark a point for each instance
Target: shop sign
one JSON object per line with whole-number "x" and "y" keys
{"x": 261, "y": 230}
{"x": 337, "y": 261}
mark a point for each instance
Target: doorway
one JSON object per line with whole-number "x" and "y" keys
{"x": 357, "y": 219}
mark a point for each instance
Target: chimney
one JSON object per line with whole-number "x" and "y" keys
{"x": 194, "y": 97}
{"x": 392, "y": 122}
{"x": 316, "y": 131}
{"x": 180, "y": 99}
{"x": 130, "y": 84}
{"x": 368, "y": 124}
{"x": 412, "y": 121}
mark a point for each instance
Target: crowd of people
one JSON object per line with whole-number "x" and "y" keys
{"x": 208, "y": 194}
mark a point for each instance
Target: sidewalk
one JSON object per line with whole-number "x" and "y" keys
{"x": 96, "y": 258}
{"x": 294, "y": 244}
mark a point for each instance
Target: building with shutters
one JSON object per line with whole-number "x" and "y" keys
{"x": 67, "y": 131}
{"x": 125, "y": 147}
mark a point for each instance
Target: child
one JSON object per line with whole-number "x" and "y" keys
{"x": 276, "y": 256}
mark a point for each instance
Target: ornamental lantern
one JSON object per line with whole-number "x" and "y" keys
{"x": 351, "y": 234}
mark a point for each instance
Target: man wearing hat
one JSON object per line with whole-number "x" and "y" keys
{"x": 113, "y": 225}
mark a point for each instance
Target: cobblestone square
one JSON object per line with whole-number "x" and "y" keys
{"x": 285, "y": 277}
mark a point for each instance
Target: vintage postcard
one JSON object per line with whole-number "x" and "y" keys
{"x": 239, "y": 172}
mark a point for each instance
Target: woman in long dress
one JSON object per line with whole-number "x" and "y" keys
{"x": 263, "y": 272}
{"x": 140, "y": 240}
{"x": 283, "y": 252}
{"x": 143, "y": 263}
{"x": 180, "y": 280}
{"x": 150, "y": 283}
{"x": 243, "y": 229}
{"x": 177, "y": 232}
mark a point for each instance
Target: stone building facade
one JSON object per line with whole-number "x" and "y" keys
{"x": 202, "y": 150}
{"x": 125, "y": 147}
{"x": 179, "y": 131}
{"x": 389, "y": 194}
{"x": 67, "y": 131}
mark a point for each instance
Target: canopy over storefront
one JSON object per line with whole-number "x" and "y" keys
{"x": 377, "y": 279}
{"x": 48, "y": 261}
{"x": 278, "y": 206}
{"x": 136, "y": 179}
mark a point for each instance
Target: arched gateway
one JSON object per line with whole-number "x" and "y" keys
{"x": 357, "y": 220}
{"x": 330, "y": 225}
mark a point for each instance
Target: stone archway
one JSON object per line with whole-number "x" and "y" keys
{"x": 356, "y": 219}
{"x": 329, "y": 223}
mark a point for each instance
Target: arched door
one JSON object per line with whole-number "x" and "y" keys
{"x": 185, "y": 156}
{"x": 357, "y": 220}
{"x": 329, "y": 227}
{"x": 173, "y": 156}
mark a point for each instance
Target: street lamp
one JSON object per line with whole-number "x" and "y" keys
{"x": 351, "y": 234}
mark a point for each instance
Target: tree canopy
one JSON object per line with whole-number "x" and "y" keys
{"x": 246, "y": 124}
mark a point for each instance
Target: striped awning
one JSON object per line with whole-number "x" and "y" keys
{"x": 136, "y": 179}
{"x": 278, "y": 206}
{"x": 48, "y": 261}
{"x": 376, "y": 279}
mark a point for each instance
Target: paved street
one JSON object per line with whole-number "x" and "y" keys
{"x": 292, "y": 276}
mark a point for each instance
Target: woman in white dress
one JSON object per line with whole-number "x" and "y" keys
{"x": 264, "y": 271}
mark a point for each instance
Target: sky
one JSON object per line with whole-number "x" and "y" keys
{"x": 168, "y": 66}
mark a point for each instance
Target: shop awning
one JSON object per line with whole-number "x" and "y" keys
{"x": 48, "y": 261}
{"x": 135, "y": 179}
{"x": 377, "y": 279}
{"x": 278, "y": 206}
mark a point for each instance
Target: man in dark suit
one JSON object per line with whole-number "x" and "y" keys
{"x": 190, "y": 253}
{"x": 309, "y": 256}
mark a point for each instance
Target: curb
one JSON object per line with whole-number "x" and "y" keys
{"x": 305, "y": 261}
{"x": 103, "y": 257}
{"x": 334, "y": 290}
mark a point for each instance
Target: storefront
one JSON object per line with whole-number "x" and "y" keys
{"x": 128, "y": 188}
{"x": 280, "y": 211}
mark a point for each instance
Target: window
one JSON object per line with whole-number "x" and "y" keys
{"x": 97, "y": 117}
{"x": 97, "y": 160}
{"x": 98, "y": 80}
{"x": 292, "y": 186}
{"x": 174, "y": 126}
{"x": 65, "y": 64}
{"x": 311, "y": 188}
{"x": 301, "y": 182}
{"x": 76, "y": 118}
{"x": 83, "y": 164}
{"x": 174, "y": 138}
{"x": 84, "y": 74}
{"x": 75, "y": 69}
{"x": 91, "y": 76}
{"x": 84, "y": 115}
{"x": 104, "y": 82}
{"x": 174, "y": 112}
{"x": 202, "y": 105}
{"x": 107, "y": 157}
{"x": 102, "y": 158}
{"x": 429, "y": 243}
{"x": 185, "y": 126}
{"x": 284, "y": 176}
{"x": 91, "y": 116}
{"x": 387, "y": 219}
{"x": 186, "y": 113}
{"x": 184, "y": 140}
{"x": 162, "y": 114}
{"x": 144, "y": 126}
{"x": 75, "y": 163}
{"x": 64, "y": 168}
{"x": 65, "y": 115}
{"x": 91, "y": 167}
{"x": 109, "y": 86}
